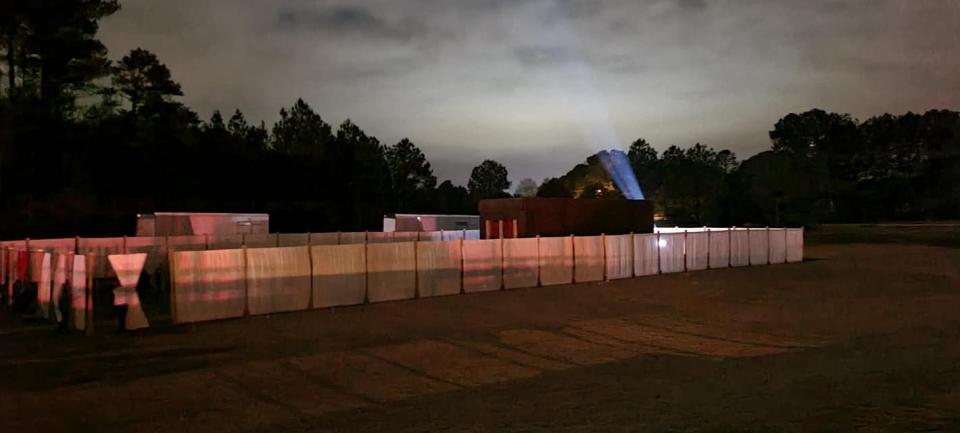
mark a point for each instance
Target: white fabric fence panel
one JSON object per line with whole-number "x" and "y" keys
{"x": 646, "y": 260}
{"x": 618, "y": 252}
{"x": 697, "y": 250}
{"x": 293, "y": 239}
{"x": 671, "y": 252}
{"x": 154, "y": 247}
{"x": 453, "y": 235}
{"x": 739, "y": 247}
{"x": 278, "y": 279}
{"x": 339, "y": 275}
{"x": 63, "y": 245}
{"x": 101, "y": 247}
{"x": 78, "y": 292}
{"x": 471, "y": 235}
{"x": 187, "y": 243}
{"x": 224, "y": 241}
{"x": 759, "y": 247}
{"x": 778, "y": 245}
{"x": 430, "y": 236}
{"x": 520, "y": 263}
{"x": 556, "y": 260}
{"x": 481, "y": 265}
{"x": 271, "y": 240}
{"x": 391, "y": 271}
{"x": 45, "y": 284}
{"x": 61, "y": 272}
{"x": 350, "y": 238}
{"x": 128, "y": 268}
{"x": 587, "y": 258}
{"x": 379, "y": 237}
{"x": 719, "y": 248}
{"x": 794, "y": 245}
{"x": 323, "y": 238}
{"x": 439, "y": 266}
{"x": 207, "y": 285}
{"x": 405, "y": 236}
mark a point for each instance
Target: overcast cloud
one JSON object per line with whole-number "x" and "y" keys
{"x": 539, "y": 85}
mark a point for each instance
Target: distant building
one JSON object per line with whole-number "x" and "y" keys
{"x": 541, "y": 216}
{"x": 429, "y": 223}
{"x": 198, "y": 223}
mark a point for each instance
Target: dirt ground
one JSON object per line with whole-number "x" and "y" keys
{"x": 860, "y": 337}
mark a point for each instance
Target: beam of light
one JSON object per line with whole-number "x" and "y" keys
{"x": 578, "y": 88}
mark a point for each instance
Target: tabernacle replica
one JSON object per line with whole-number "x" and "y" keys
{"x": 542, "y": 216}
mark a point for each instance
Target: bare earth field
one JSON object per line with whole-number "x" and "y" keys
{"x": 860, "y": 337}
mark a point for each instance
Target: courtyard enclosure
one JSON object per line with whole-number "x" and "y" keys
{"x": 323, "y": 270}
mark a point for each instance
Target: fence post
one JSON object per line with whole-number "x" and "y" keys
{"x": 768, "y": 244}
{"x": 539, "y": 282}
{"x": 88, "y": 295}
{"x": 603, "y": 253}
{"x": 503, "y": 284}
{"x": 246, "y": 285}
{"x": 659, "y": 266}
{"x": 310, "y": 257}
{"x": 573, "y": 258}
{"x": 708, "y": 247}
{"x": 416, "y": 272}
{"x": 730, "y": 247}
{"x": 685, "y": 251}
{"x": 462, "y": 262}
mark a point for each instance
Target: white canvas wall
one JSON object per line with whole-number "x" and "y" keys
{"x": 293, "y": 239}
{"x": 758, "y": 246}
{"x": 438, "y": 268}
{"x": 481, "y": 265}
{"x": 794, "y": 245}
{"x": 391, "y": 272}
{"x": 405, "y": 236}
{"x": 452, "y": 235}
{"x": 380, "y": 237}
{"x": 556, "y": 260}
{"x": 207, "y": 285}
{"x": 270, "y": 240}
{"x": 187, "y": 243}
{"x": 520, "y": 263}
{"x": 62, "y": 245}
{"x": 431, "y": 236}
{"x": 224, "y": 241}
{"x": 44, "y": 284}
{"x": 471, "y": 234}
{"x": 278, "y": 279}
{"x": 645, "y": 255}
{"x": 78, "y": 292}
{"x": 128, "y": 268}
{"x": 739, "y": 247}
{"x": 778, "y": 245}
{"x": 618, "y": 256}
{"x": 697, "y": 250}
{"x": 349, "y": 238}
{"x": 671, "y": 252}
{"x": 101, "y": 247}
{"x": 719, "y": 248}
{"x": 587, "y": 258}
{"x": 323, "y": 238}
{"x": 339, "y": 275}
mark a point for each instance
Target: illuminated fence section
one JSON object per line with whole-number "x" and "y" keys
{"x": 295, "y": 272}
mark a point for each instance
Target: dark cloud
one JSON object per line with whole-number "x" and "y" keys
{"x": 345, "y": 20}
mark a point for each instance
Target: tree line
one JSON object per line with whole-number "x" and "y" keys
{"x": 86, "y": 143}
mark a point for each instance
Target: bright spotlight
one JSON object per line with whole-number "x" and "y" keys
{"x": 661, "y": 243}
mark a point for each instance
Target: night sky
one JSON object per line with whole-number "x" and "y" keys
{"x": 539, "y": 85}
